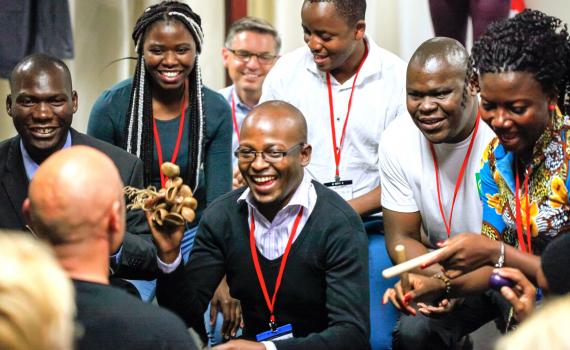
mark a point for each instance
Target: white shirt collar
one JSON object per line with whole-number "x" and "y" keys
{"x": 29, "y": 164}
{"x": 301, "y": 197}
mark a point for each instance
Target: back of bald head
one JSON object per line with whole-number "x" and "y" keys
{"x": 281, "y": 114}
{"x": 71, "y": 194}
{"x": 432, "y": 52}
{"x": 39, "y": 62}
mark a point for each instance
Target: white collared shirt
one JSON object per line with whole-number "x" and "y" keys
{"x": 271, "y": 237}
{"x": 379, "y": 97}
{"x": 29, "y": 164}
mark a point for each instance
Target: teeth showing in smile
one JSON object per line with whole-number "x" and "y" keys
{"x": 429, "y": 122}
{"x": 170, "y": 74}
{"x": 508, "y": 136}
{"x": 44, "y": 131}
{"x": 263, "y": 179}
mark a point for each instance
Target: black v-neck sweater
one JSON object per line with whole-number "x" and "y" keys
{"x": 324, "y": 293}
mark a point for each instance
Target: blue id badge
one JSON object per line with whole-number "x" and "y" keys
{"x": 280, "y": 333}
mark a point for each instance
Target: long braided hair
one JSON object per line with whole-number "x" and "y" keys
{"x": 138, "y": 122}
{"x": 529, "y": 42}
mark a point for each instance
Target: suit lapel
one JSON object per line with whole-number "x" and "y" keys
{"x": 15, "y": 181}
{"x": 78, "y": 138}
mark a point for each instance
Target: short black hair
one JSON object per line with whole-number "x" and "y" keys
{"x": 351, "y": 10}
{"x": 555, "y": 261}
{"x": 40, "y": 61}
{"x": 447, "y": 49}
{"x": 529, "y": 42}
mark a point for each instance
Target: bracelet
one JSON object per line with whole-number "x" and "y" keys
{"x": 443, "y": 277}
{"x": 501, "y": 260}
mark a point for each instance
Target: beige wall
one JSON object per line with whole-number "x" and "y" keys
{"x": 102, "y": 30}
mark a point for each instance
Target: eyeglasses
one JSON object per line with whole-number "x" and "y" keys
{"x": 245, "y": 56}
{"x": 248, "y": 156}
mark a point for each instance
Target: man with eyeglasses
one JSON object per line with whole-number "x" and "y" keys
{"x": 294, "y": 252}
{"x": 251, "y": 48}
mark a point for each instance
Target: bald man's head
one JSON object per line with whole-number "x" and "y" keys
{"x": 76, "y": 196}
{"x": 431, "y": 53}
{"x": 279, "y": 131}
{"x": 281, "y": 114}
{"x": 441, "y": 96}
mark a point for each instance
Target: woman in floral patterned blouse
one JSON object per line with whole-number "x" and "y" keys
{"x": 523, "y": 69}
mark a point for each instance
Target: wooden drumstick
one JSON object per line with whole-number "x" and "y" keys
{"x": 400, "y": 259}
{"x": 411, "y": 264}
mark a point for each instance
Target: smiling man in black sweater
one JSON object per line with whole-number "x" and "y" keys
{"x": 284, "y": 231}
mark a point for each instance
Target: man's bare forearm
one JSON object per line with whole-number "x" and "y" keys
{"x": 368, "y": 203}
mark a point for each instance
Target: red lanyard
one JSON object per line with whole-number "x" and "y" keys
{"x": 459, "y": 178}
{"x": 336, "y": 149}
{"x": 178, "y": 140}
{"x": 236, "y": 128}
{"x": 520, "y": 234}
{"x": 271, "y": 303}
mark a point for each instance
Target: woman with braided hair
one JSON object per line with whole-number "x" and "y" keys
{"x": 143, "y": 114}
{"x": 164, "y": 113}
{"x": 523, "y": 70}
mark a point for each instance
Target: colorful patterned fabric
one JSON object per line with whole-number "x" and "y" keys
{"x": 548, "y": 189}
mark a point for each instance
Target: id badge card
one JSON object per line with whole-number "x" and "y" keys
{"x": 343, "y": 188}
{"x": 280, "y": 333}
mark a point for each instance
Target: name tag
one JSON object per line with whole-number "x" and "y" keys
{"x": 280, "y": 333}
{"x": 343, "y": 188}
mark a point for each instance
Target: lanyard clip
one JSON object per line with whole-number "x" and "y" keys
{"x": 272, "y": 324}
{"x": 336, "y": 178}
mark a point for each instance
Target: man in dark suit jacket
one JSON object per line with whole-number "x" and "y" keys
{"x": 42, "y": 104}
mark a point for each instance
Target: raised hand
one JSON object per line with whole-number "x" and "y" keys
{"x": 167, "y": 238}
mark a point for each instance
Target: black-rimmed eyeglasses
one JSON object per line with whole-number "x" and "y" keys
{"x": 245, "y": 56}
{"x": 248, "y": 155}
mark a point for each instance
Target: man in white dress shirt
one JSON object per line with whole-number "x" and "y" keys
{"x": 349, "y": 90}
